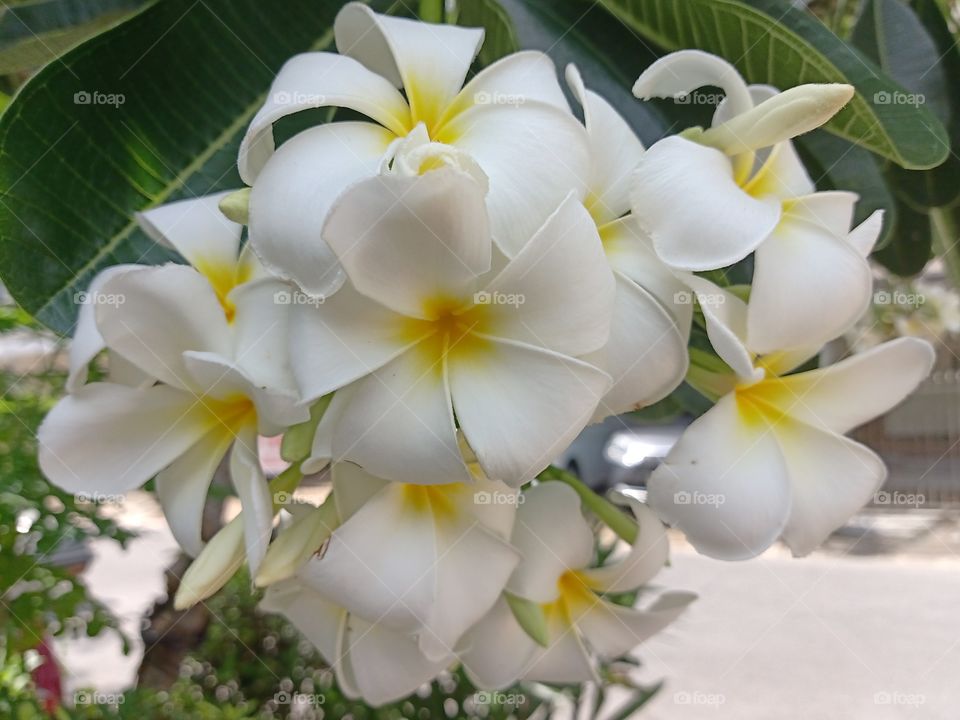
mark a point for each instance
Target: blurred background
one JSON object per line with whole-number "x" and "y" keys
{"x": 867, "y": 627}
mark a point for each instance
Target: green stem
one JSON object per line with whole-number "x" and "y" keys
{"x": 611, "y": 516}
{"x": 431, "y": 11}
{"x": 285, "y": 482}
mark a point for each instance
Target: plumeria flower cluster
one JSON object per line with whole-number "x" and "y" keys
{"x": 431, "y": 302}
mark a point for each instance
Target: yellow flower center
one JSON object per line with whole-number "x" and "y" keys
{"x": 224, "y": 277}
{"x": 451, "y": 328}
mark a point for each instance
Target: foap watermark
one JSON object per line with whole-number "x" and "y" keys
{"x": 898, "y": 97}
{"x": 683, "y": 497}
{"x": 282, "y": 497}
{"x": 85, "y": 297}
{"x": 699, "y": 98}
{"x": 901, "y": 499}
{"x": 686, "y": 297}
{"x": 283, "y": 97}
{"x": 685, "y": 697}
{"x": 94, "y": 697}
{"x": 495, "y": 697}
{"x": 485, "y": 297}
{"x": 296, "y": 297}
{"x": 498, "y": 497}
{"x": 284, "y": 697}
{"x": 895, "y": 697}
{"x": 498, "y": 98}
{"x": 95, "y": 97}
{"x": 97, "y": 498}
{"x": 898, "y": 297}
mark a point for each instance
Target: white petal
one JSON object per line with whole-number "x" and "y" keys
{"x": 566, "y": 660}
{"x": 220, "y": 379}
{"x": 165, "y": 311}
{"x": 831, "y": 478}
{"x": 319, "y": 620}
{"x": 518, "y": 78}
{"x": 255, "y": 498}
{"x": 782, "y": 175}
{"x": 552, "y": 536}
{"x": 647, "y": 353}
{"x": 261, "y": 333}
{"x": 809, "y": 284}
{"x": 497, "y": 652}
{"x": 724, "y": 484}
{"x": 405, "y": 241}
{"x": 399, "y": 424}
{"x": 87, "y": 342}
{"x": 726, "y": 317}
{"x": 182, "y": 487}
{"x": 679, "y": 73}
{"x": 842, "y": 396}
{"x": 385, "y": 665}
{"x": 316, "y": 80}
{"x": 864, "y": 236}
{"x": 296, "y": 189}
{"x": 613, "y": 630}
{"x": 219, "y": 561}
{"x": 112, "y": 438}
{"x": 430, "y": 61}
{"x": 630, "y": 252}
{"x": 342, "y": 339}
{"x": 353, "y": 487}
{"x": 197, "y": 230}
{"x": 614, "y": 148}
{"x": 534, "y": 155}
{"x": 685, "y": 197}
{"x": 562, "y": 287}
{"x": 520, "y": 406}
{"x": 646, "y": 556}
{"x": 380, "y": 564}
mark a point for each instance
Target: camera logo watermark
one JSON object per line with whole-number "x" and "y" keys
{"x": 499, "y": 497}
{"x": 498, "y": 98}
{"x": 84, "y": 297}
{"x": 94, "y": 697}
{"x": 485, "y": 297}
{"x": 686, "y": 297}
{"x": 898, "y": 297}
{"x": 898, "y": 97}
{"x": 95, "y": 97}
{"x": 498, "y": 698}
{"x": 885, "y": 497}
{"x": 296, "y": 297}
{"x": 298, "y": 698}
{"x": 100, "y": 498}
{"x": 699, "y": 98}
{"x": 684, "y": 497}
{"x": 282, "y": 97}
{"x": 699, "y": 698}
{"x": 914, "y": 700}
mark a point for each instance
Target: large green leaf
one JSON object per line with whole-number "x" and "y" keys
{"x": 35, "y": 32}
{"x": 190, "y": 76}
{"x": 772, "y": 41}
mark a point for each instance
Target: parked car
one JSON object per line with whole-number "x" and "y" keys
{"x": 621, "y": 450}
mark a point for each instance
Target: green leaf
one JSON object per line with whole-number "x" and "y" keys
{"x": 912, "y": 243}
{"x": 500, "y": 38}
{"x": 836, "y": 164}
{"x": 771, "y": 41}
{"x": 170, "y": 93}
{"x": 609, "y": 55}
{"x": 35, "y": 33}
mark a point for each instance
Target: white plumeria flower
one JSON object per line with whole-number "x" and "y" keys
{"x": 197, "y": 230}
{"x": 431, "y": 333}
{"x": 512, "y": 117}
{"x": 770, "y": 459}
{"x": 371, "y": 661}
{"x": 558, "y": 548}
{"x": 647, "y": 351}
{"x": 218, "y": 358}
{"x": 810, "y": 269}
{"x": 407, "y": 556}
